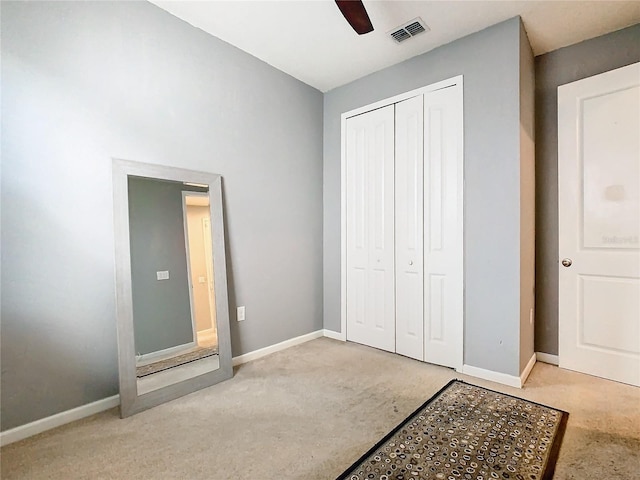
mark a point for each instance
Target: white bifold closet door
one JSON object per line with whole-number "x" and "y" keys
{"x": 403, "y": 198}
{"x": 409, "y": 226}
{"x": 370, "y": 230}
{"x": 443, "y": 248}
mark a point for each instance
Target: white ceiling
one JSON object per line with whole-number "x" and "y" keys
{"x": 311, "y": 41}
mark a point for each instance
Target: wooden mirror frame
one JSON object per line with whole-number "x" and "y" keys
{"x": 130, "y": 401}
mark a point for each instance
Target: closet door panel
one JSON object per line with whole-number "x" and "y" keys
{"x": 443, "y": 295}
{"x": 409, "y": 228}
{"x": 370, "y": 236}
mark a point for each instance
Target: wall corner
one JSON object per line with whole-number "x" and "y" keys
{"x": 527, "y": 199}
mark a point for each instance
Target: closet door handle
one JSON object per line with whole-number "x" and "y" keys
{"x": 410, "y": 262}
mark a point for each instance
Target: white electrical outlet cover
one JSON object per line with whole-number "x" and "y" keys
{"x": 163, "y": 275}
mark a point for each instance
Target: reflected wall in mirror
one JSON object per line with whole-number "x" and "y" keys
{"x": 173, "y": 318}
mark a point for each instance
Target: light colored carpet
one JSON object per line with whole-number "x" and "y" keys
{"x": 308, "y": 413}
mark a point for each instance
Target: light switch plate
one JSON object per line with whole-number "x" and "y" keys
{"x": 163, "y": 275}
{"x": 240, "y": 314}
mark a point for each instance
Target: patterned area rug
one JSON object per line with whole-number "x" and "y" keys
{"x": 176, "y": 361}
{"x": 471, "y": 433}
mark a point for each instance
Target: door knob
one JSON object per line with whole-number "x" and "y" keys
{"x": 566, "y": 262}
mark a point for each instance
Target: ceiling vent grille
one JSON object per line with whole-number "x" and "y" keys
{"x": 408, "y": 30}
{"x": 400, "y": 35}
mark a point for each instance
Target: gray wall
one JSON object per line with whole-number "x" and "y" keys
{"x": 161, "y": 308}
{"x": 489, "y": 61}
{"x": 86, "y": 81}
{"x": 556, "y": 68}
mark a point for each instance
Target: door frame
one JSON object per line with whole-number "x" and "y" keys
{"x": 450, "y": 82}
{"x": 208, "y": 254}
{"x": 185, "y": 222}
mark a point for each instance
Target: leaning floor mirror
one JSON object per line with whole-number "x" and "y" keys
{"x": 171, "y": 283}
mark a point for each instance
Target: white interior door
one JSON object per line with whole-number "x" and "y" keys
{"x": 409, "y": 221}
{"x": 443, "y": 242}
{"x": 370, "y": 228}
{"x": 599, "y": 225}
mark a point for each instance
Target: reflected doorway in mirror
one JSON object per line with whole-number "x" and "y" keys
{"x": 200, "y": 262}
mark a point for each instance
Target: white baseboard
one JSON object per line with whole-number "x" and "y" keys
{"x": 498, "y": 377}
{"x": 167, "y": 351}
{"x": 57, "y": 420}
{"x": 527, "y": 370}
{"x": 334, "y": 335}
{"x": 503, "y": 378}
{"x": 263, "y": 352}
{"x": 547, "y": 358}
{"x": 83, "y": 411}
{"x": 208, "y": 332}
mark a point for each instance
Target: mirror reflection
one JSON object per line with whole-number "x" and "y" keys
{"x": 172, "y": 281}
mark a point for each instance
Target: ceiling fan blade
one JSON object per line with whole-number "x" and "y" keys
{"x": 356, "y": 15}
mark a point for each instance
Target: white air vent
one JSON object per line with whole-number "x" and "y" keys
{"x": 408, "y": 30}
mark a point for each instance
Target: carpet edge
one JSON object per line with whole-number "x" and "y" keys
{"x": 348, "y": 471}
{"x": 549, "y": 467}
{"x": 552, "y": 460}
